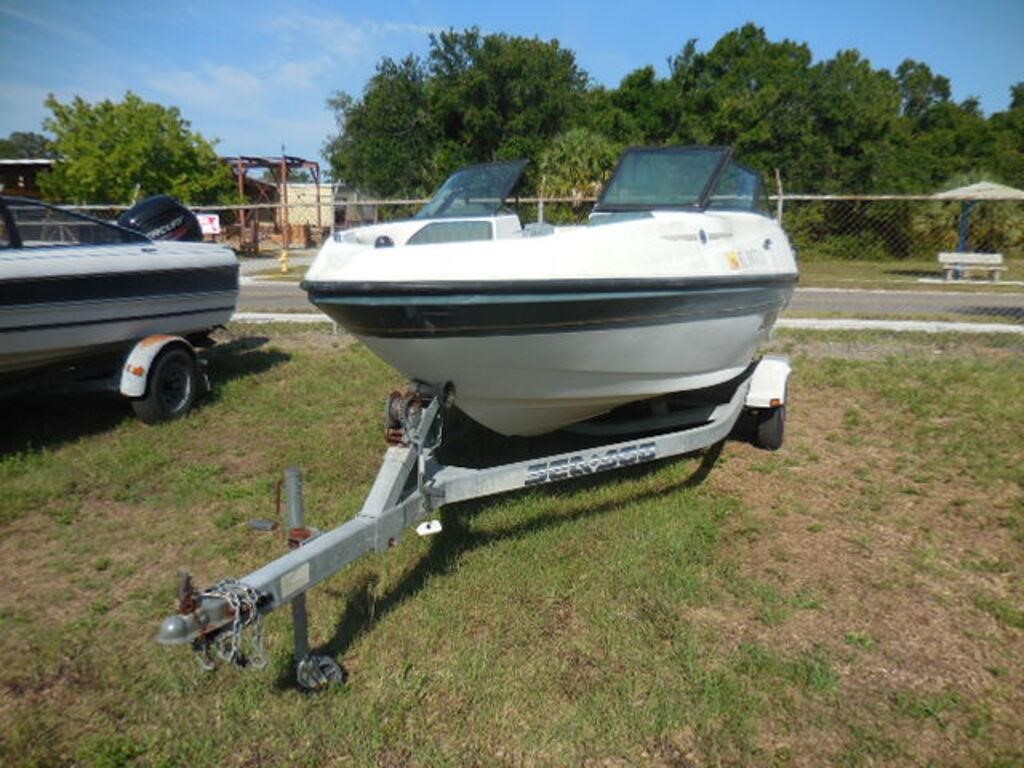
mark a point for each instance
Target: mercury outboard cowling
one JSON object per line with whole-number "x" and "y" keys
{"x": 161, "y": 217}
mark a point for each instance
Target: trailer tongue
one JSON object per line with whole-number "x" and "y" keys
{"x": 225, "y": 620}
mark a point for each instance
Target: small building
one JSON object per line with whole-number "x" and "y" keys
{"x": 18, "y": 176}
{"x": 304, "y": 199}
{"x": 338, "y": 206}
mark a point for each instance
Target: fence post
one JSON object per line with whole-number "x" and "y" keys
{"x": 778, "y": 197}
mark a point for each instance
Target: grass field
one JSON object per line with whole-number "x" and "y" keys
{"x": 854, "y": 599}
{"x": 900, "y": 275}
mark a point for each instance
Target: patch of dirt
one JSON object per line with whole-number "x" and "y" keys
{"x": 839, "y": 525}
{"x": 293, "y": 339}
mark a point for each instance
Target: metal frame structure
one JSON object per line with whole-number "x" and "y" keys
{"x": 242, "y": 164}
{"x": 410, "y": 485}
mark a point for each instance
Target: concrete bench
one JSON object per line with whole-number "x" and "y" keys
{"x": 956, "y": 265}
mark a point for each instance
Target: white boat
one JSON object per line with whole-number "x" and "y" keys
{"x": 73, "y": 288}
{"x": 677, "y": 278}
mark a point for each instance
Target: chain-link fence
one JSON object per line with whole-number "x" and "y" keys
{"x": 874, "y": 257}
{"x": 854, "y": 228}
{"x": 908, "y": 257}
{"x": 902, "y": 229}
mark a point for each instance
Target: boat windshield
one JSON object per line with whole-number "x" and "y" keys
{"x": 692, "y": 177}
{"x": 479, "y": 190}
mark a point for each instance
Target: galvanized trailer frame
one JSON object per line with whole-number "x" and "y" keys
{"x": 409, "y": 486}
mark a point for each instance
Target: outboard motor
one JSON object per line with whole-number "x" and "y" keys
{"x": 161, "y": 217}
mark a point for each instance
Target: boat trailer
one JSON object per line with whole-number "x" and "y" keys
{"x": 225, "y": 620}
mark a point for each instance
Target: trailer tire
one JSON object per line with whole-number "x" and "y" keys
{"x": 771, "y": 428}
{"x": 171, "y": 388}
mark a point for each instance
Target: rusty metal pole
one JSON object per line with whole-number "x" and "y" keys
{"x": 241, "y": 197}
{"x": 297, "y": 532}
{"x": 779, "y": 198}
{"x": 285, "y": 235}
{"x": 319, "y": 217}
{"x": 284, "y": 202}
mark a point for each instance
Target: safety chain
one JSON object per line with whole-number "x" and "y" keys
{"x": 243, "y": 601}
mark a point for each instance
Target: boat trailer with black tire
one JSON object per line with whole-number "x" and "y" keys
{"x": 412, "y": 484}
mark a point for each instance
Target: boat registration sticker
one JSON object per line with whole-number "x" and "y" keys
{"x": 734, "y": 260}
{"x": 294, "y": 580}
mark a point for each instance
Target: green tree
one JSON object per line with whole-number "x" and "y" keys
{"x": 944, "y": 141}
{"x": 856, "y": 108}
{"x": 117, "y": 152}
{"x": 21, "y": 145}
{"x": 478, "y": 98}
{"x": 651, "y": 105}
{"x": 600, "y": 113}
{"x": 498, "y": 96}
{"x": 386, "y": 141}
{"x": 920, "y": 88}
{"x": 576, "y": 164}
{"x": 1008, "y": 139}
{"x": 838, "y": 125}
{"x": 754, "y": 95}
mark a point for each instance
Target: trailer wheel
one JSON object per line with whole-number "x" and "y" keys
{"x": 171, "y": 389}
{"x": 315, "y": 673}
{"x": 771, "y": 428}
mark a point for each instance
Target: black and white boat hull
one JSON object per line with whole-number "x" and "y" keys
{"x": 58, "y": 305}
{"x": 530, "y": 360}
{"x": 538, "y": 329}
{"x": 532, "y": 384}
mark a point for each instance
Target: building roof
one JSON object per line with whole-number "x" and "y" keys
{"x": 983, "y": 190}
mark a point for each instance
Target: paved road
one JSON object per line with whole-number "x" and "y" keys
{"x": 272, "y": 297}
{"x": 288, "y": 297}
{"x": 828, "y": 301}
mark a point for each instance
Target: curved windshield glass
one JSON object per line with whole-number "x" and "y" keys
{"x": 738, "y": 188}
{"x": 673, "y": 177}
{"x": 476, "y": 191}
{"x": 40, "y": 225}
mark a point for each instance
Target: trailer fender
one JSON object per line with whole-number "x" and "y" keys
{"x": 768, "y": 384}
{"x": 139, "y": 362}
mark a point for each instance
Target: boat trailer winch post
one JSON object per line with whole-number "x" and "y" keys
{"x": 398, "y": 500}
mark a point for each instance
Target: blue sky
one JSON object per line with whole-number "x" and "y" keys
{"x": 255, "y": 75}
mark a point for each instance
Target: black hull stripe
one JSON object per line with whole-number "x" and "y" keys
{"x": 321, "y": 288}
{"x": 426, "y": 317}
{"x": 106, "y": 321}
{"x": 117, "y": 285}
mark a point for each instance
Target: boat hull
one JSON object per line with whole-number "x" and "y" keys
{"x": 58, "y": 306}
{"x": 106, "y": 328}
{"x": 527, "y": 362}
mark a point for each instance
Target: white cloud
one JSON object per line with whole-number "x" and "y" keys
{"x": 301, "y": 74}
{"x": 47, "y": 24}
{"x": 216, "y": 86}
{"x": 281, "y": 96}
{"x": 274, "y": 94}
{"x": 346, "y": 38}
{"x": 253, "y": 111}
